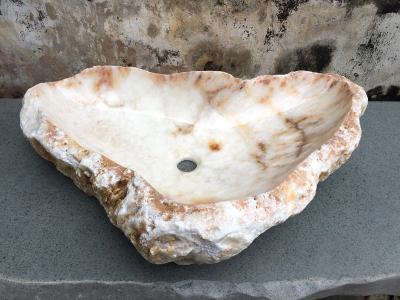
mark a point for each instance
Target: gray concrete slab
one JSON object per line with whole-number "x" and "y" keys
{"x": 57, "y": 243}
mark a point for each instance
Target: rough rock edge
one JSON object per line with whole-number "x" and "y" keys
{"x": 169, "y": 232}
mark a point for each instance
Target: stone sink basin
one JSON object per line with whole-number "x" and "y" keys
{"x": 193, "y": 166}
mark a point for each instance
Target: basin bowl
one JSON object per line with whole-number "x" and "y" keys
{"x": 238, "y": 138}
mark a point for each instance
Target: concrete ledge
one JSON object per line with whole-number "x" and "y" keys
{"x": 304, "y": 290}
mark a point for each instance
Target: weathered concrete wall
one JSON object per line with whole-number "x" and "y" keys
{"x": 47, "y": 40}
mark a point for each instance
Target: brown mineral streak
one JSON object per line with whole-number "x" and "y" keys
{"x": 183, "y": 129}
{"x": 168, "y": 208}
{"x": 198, "y": 79}
{"x": 214, "y": 146}
{"x": 262, "y": 147}
{"x": 259, "y": 160}
{"x": 121, "y": 171}
{"x": 72, "y": 82}
{"x": 104, "y": 78}
{"x": 264, "y": 100}
{"x": 241, "y": 85}
{"x": 210, "y": 96}
{"x": 316, "y": 79}
{"x": 198, "y": 201}
{"x": 266, "y": 80}
{"x": 294, "y": 125}
{"x": 158, "y": 78}
{"x": 124, "y": 71}
{"x": 51, "y": 132}
{"x": 333, "y": 84}
{"x": 303, "y": 138}
{"x": 241, "y": 204}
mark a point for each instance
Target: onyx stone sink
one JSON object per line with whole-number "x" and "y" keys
{"x": 194, "y": 166}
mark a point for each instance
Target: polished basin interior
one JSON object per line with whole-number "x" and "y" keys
{"x": 198, "y": 137}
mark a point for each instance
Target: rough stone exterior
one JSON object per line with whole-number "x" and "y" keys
{"x": 49, "y": 40}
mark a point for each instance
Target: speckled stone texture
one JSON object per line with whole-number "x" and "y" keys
{"x": 56, "y": 242}
{"x": 49, "y": 40}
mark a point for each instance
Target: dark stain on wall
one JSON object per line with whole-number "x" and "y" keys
{"x": 212, "y": 66}
{"x": 271, "y": 34}
{"x": 392, "y": 93}
{"x": 209, "y": 56}
{"x": 383, "y": 6}
{"x": 285, "y": 8}
{"x": 156, "y": 60}
{"x": 235, "y": 6}
{"x": 192, "y": 6}
{"x": 367, "y": 47}
{"x": 15, "y": 91}
{"x": 153, "y": 30}
{"x": 51, "y": 12}
{"x": 239, "y": 5}
{"x": 41, "y": 15}
{"x": 387, "y": 6}
{"x": 32, "y": 22}
{"x": 311, "y": 58}
{"x": 371, "y": 49}
{"x": 165, "y": 56}
{"x": 17, "y": 2}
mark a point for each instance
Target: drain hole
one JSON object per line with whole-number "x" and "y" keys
{"x": 187, "y": 165}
